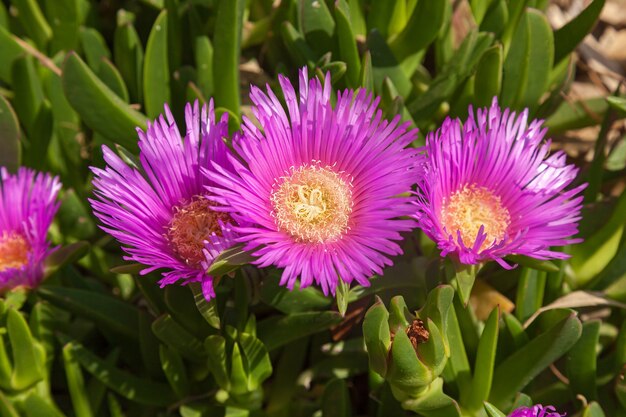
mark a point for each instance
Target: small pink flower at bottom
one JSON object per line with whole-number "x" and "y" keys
{"x": 536, "y": 411}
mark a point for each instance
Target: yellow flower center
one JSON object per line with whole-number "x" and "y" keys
{"x": 471, "y": 207}
{"x": 13, "y": 251}
{"x": 190, "y": 226}
{"x": 313, "y": 204}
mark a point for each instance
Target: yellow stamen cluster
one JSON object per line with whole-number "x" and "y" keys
{"x": 313, "y": 204}
{"x": 13, "y": 251}
{"x": 471, "y": 207}
{"x": 190, "y": 226}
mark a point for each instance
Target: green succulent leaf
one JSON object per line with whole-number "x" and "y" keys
{"x": 33, "y": 20}
{"x": 28, "y": 357}
{"x": 27, "y": 104}
{"x": 571, "y": 34}
{"x": 227, "y": 44}
{"x": 406, "y": 372}
{"x": 215, "y": 346}
{"x": 156, "y": 72}
{"x": 377, "y": 336}
{"x": 9, "y": 135}
{"x": 76, "y": 384}
{"x": 492, "y": 411}
{"x": 287, "y": 301}
{"x": 229, "y": 261}
{"x": 36, "y": 406}
{"x": 129, "y": 56}
{"x": 127, "y": 385}
{"x": 276, "y": 331}
{"x": 174, "y": 370}
{"x": 582, "y": 362}
{"x": 99, "y": 107}
{"x": 347, "y": 46}
{"x": 176, "y": 337}
{"x": 421, "y": 29}
{"x": 488, "y": 77}
{"x": 485, "y": 361}
{"x": 522, "y": 366}
{"x": 259, "y": 366}
{"x": 336, "y": 399}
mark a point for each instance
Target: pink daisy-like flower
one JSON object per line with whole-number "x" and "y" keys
{"x": 158, "y": 211}
{"x": 321, "y": 185}
{"x": 27, "y": 207}
{"x": 490, "y": 189}
{"x": 536, "y": 411}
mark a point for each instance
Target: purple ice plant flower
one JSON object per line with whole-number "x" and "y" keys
{"x": 323, "y": 187}
{"x": 536, "y": 411}
{"x": 159, "y": 211}
{"x": 28, "y": 203}
{"x": 491, "y": 189}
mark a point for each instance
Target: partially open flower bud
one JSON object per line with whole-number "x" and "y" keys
{"x": 409, "y": 350}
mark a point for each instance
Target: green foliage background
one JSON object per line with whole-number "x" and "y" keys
{"x": 97, "y": 339}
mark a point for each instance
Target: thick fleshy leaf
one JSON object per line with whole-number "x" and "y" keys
{"x": 181, "y": 306}
{"x": 593, "y": 410}
{"x": 28, "y": 366}
{"x": 485, "y": 360}
{"x": 100, "y": 108}
{"x": 215, "y": 346}
{"x": 298, "y": 49}
{"x": 277, "y": 331}
{"x": 488, "y": 78}
{"x": 377, "y": 336}
{"x": 9, "y": 136}
{"x": 229, "y": 260}
{"x": 530, "y": 290}
{"x": 126, "y": 384}
{"x": 106, "y": 311}
{"x": 65, "y": 256}
{"x": 174, "y": 370}
{"x": 581, "y": 361}
{"x": 33, "y": 20}
{"x": 6, "y": 408}
{"x": 227, "y": 43}
{"x": 516, "y": 371}
{"x": 492, "y": 411}
{"x": 347, "y": 46}
{"x": 421, "y": 29}
{"x": 571, "y": 34}
{"x": 406, "y": 371}
{"x": 76, "y": 384}
{"x": 594, "y": 254}
{"x": 156, "y": 73}
{"x": 385, "y": 64}
{"x": 65, "y": 20}
{"x": 316, "y": 23}
{"x": 176, "y": 337}
{"x": 10, "y": 50}
{"x": 94, "y": 47}
{"x": 36, "y": 406}
{"x": 336, "y": 399}
{"x": 128, "y": 55}
{"x": 528, "y": 62}
{"x": 203, "y": 53}
{"x": 576, "y": 115}
{"x": 288, "y": 301}
{"x": 259, "y": 366}
{"x": 28, "y": 102}
{"x": 208, "y": 309}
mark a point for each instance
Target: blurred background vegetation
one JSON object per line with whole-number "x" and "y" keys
{"x": 98, "y": 340}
